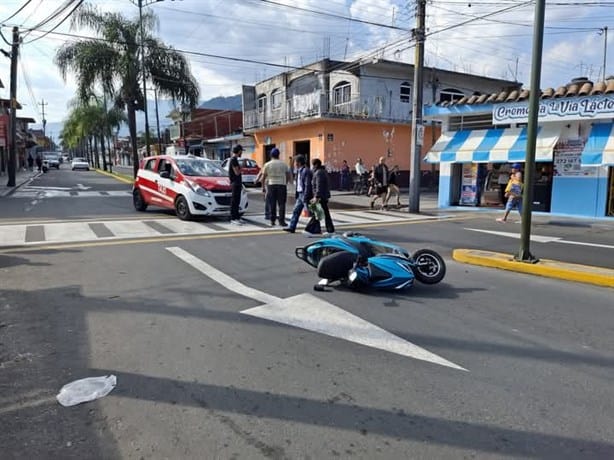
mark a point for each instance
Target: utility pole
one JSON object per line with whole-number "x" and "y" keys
{"x": 12, "y": 166}
{"x": 43, "y": 104}
{"x": 605, "y": 49}
{"x": 524, "y": 255}
{"x": 417, "y": 129}
{"x": 160, "y": 152}
{"x": 144, "y": 80}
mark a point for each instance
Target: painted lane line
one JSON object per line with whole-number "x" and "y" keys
{"x": 222, "y": 278}
{"x": 314, "y": 314}
{"x": 308, "y": 312}
{"x": 581, "y": 243}
{"x": 542, "y": 239}
{"x": 536, "y": 238}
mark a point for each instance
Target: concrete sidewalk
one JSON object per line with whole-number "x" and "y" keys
{"x": 21, "y": 177}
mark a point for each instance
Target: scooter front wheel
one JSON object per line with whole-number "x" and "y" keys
{"x": 429, "y": 267}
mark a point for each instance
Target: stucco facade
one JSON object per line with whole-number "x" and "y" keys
{"x": 343, "y": 110}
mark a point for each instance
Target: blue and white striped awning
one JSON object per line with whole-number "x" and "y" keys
{"x": 599, "y": 147}
{"x": 495, "y": 145}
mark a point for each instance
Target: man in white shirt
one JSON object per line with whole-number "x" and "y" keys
{"x": 275, "y": 176}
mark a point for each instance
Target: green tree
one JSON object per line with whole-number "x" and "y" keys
{"x": 91, "y": 121}
{"x": 112, "y": 61}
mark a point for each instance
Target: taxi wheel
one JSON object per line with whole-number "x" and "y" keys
{"x": 182, "y": 209}
{"x": 139, "y": 202}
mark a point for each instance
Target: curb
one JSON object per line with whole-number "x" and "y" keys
{"x": 11, "y": 190}
{"x": 548, "y": 268}
{"x": 117, "y": 176}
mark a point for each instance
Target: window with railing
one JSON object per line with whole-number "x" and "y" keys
{"x": 276, "y": 99}
{"x": 342, "y": 93}
{"x": 261, "y": 103}
{"x": 450, "y": 95}
{"x": 405, "y": 92}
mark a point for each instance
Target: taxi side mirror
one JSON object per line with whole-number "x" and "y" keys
{"x": 165, "y": 174}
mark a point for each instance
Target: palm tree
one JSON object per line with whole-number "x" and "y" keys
{"x": 91, "y": 121}
{"x": 113, "y": 62}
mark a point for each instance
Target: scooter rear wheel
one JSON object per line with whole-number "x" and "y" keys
{"x": 429, "y": 267}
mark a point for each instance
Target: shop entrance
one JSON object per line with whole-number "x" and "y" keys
{"x": 302, "y": 148}
{"x": 610, "y": 207}
{"x": 479, "y": 184}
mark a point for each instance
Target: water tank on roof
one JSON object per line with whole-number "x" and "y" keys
{"x": 579, "y": 81}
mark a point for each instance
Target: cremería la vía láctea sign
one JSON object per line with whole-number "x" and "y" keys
{"x": 576, "y": 108}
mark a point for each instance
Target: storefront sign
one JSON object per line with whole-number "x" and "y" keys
{"x": 574, "y": 108}
{"x": 567, "y": 159}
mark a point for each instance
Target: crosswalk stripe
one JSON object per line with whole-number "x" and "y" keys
{"x": 57, "y": 232}
{"x": 71, "y": 231}
{"x": 61, "y": 192}
{"x": 11, "y": 235}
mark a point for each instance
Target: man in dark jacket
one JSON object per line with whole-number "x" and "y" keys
{"x": 321, "y": 194}
{"x": 381, "y": 175}
{"x": 304, "y": 192}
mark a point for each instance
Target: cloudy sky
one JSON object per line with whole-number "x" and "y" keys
{"x": 235, "y": 42}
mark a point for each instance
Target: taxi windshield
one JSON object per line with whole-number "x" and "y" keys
{"x": 199, "y": 167}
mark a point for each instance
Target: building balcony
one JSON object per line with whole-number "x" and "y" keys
{"x": 372, "y": 109}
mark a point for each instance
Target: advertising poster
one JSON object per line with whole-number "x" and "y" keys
{"x": 469, "y": 184}
{"x": 567, "y": 159}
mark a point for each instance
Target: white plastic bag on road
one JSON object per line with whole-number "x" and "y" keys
{"x": 85, "y": 390}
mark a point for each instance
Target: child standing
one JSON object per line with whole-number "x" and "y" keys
{"x": 513, "y": 193}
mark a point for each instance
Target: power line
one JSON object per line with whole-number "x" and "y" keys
{"x": 79, "y": 3}
{"x": 17, "y": 12}
{"x": 332, "y": 15}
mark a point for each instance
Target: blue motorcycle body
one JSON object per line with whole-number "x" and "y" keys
{"x": 360, "y": 261}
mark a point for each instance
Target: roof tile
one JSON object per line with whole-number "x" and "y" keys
{"x": 578, "y": 87}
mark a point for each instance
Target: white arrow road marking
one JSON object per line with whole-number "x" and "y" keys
{"x": 542, "y": 239}
{"x": 313, "y": 314}
{"x": 82, "y": 187}
{"x": 309, "y": 312}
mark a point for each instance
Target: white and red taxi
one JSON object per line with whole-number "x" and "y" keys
{"x": 190, "y": 185}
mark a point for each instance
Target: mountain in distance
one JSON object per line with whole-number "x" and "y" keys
{"x": 165, "y": 107}
{"x": 223, "y": 103}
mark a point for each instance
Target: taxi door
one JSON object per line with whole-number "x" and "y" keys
{"x": 165, "y": 184}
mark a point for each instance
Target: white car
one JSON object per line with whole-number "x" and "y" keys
{"x": 79, "y": 163}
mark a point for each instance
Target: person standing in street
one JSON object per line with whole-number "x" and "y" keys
{"x": 380, "y": 176}
{"x": 304, "y": 191}
{"x": 236, "y": 181}
{"x": 344, "y": 182}
{"x": 275, "y": 176}
{"x": 361, "y": 177}
{"x": 513, "y": 193}
{"x": 393, "y": 188}
{"x": 321, "y": 195}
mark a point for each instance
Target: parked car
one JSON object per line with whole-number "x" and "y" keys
{"x": 52, "y": 160}
{"x": 190, "y": 185}
{"x": 79, "y": 163}
{"x": 249, "y": 169}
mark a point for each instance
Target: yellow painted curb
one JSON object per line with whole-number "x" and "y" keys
{"x": 119, "y": 177}
{"x": 548, "y": 268}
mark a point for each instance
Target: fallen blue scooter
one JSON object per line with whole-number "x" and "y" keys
{"x": 357, "y": 261}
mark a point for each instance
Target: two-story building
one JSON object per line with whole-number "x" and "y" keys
{"x": 574, "y": 170}
{"x": 338, "y": 111}
{"x": 201, "y": 125}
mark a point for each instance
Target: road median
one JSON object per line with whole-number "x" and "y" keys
{"x": 545, "y": 267}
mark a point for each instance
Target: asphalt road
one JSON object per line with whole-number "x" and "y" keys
{"x": 197, "y": 378}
